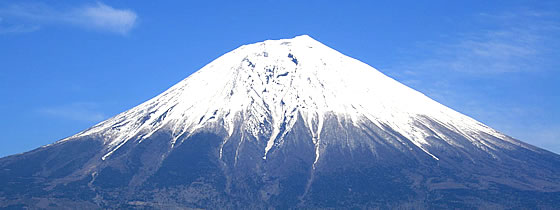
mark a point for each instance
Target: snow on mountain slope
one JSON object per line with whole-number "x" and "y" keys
{"x": 279, "y": 79}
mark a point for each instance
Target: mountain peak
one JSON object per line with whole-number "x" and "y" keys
{"x": 301, "y": 41}
{"x": 299, "y": 38}
{"x": 304, "y": 38}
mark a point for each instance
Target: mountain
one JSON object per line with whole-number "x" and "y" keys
{"x": 285, "y": 123}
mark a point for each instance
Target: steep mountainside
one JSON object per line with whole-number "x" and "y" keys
{"x": 285, "y": 123}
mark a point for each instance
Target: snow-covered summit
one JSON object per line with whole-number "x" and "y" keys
{"x": 276, "y": 81}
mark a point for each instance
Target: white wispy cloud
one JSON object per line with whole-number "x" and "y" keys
{"x": 500, "y": 44}
{"x": 104, "y": 17}
{"x": 7, "y": 29}
{"x": 514, "y": 42}
{"x": 83, "y": 112}
{"x": 18, "y": 29}
{"x": 98, "y": 16}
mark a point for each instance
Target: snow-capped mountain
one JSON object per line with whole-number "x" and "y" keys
{"x": 274, "y": 81}
{"x": 286, "y": 123}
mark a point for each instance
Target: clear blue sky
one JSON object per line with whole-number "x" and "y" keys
{"x": 66, "y": 65}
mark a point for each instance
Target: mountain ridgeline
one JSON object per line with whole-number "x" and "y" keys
{"x": 285, "y": 123}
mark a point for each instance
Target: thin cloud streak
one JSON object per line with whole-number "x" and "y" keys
{"x": 8, "y": 29}
{"x": 18, "y": 29}
{"x": 82, "y": 112}
{"x": 97, "y": 16}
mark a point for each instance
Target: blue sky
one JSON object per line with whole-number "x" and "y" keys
{"x": 67, "y": 65}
